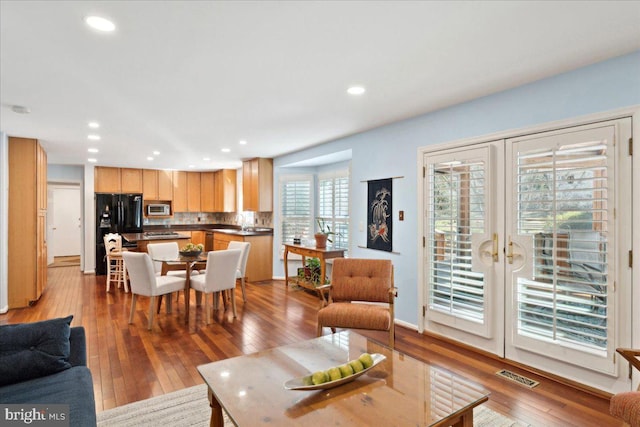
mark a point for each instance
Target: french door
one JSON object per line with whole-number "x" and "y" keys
{"x": 523, "y": 254}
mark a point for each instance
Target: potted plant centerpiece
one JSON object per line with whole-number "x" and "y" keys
{"x": 322, "y": 235}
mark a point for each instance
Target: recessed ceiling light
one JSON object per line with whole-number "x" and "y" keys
{"x": 20, "y": 109}
{"x": 94, "y": 137}
{"x": 192, "y": 166}
{"x": 99, "y": 23}
{"x": 149, "y": 158}
{"x": 94, "y": 125}
{"x": 92, "y": 160}
{"x": 156, "y": 153}
{"x": 242, "y": 142}
{"x": 355, "y": 90}
{"x": 206, "y": 159}
{"x": 225, "y": 150}
{"x": 93, "y": 150}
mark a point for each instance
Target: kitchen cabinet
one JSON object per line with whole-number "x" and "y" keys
{"x": 259, "y": 263}
{"x": 193, "y": 192}
{"x": 225, "y": 190}
{"x": 257, "y": 185}
{"x": 130, "y": 180}
{"x": 207, "y": 193}
{"x": 165, "y": 185}
{"x": 27, "y": 245}
{"x": 179, "y": 191}
{"x": 106, "y": 180}
{"x": 197, "y": 237}
{"x": 150, "y": 184}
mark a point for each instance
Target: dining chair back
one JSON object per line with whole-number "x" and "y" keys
{"x": 168, "y": 250}
{"x": 355, "y": 284}
{"x": 241, "y": 272}
{"x": 116, "y": 269}
{"x": 145, "y": 282}
{"x": 219, "y": 276}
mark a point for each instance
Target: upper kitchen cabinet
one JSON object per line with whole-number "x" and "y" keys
{"x": 107, "y": 180}
{"x": 180, "y": 191}
{"x": 157, "y": 184}
{"x": 193, "y": 192}
{"x": 131, "y": 180}
{"x": 257, "y": 185}
{"x": 27, "y": 210}
{"x": 225, "y": 190}
{"x": 207, "y": 191}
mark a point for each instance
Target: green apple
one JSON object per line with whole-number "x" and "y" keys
{"x": 334, "y": 374}
{"x": 366, "y": 359}
{"x": 356, "y": 365}
{"x": 307, "y": 380}
{"x": 345, "y": 370}
{"x": 319, "y": 377}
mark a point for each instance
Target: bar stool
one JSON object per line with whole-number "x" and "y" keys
{"x": 116, "y": 270}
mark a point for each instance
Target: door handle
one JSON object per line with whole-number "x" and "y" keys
{"x": 494, "y": 253}
{"x": 510, "y": 251}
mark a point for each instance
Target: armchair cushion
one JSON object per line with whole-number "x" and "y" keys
{"x": 32, "y": 350}
{"x": 357, "y": 316}
{"x": 361, "y": 280}
{"x": 626, "y": 406}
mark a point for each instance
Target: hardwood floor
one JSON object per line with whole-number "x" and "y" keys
{"x": 130, "y": 363}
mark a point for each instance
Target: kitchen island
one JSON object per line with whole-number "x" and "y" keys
{"x": 143, "y": 239}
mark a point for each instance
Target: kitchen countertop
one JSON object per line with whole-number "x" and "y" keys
{"x": 144, "y": 237}
{"x": 217, "y": 228}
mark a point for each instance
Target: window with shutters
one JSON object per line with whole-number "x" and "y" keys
{"x": 333, "y": 207}
{"x": 296, "y": 207}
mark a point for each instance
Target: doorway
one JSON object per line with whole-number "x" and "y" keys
{"x": 64, "y": 223}
{"x": 524, "y": 249}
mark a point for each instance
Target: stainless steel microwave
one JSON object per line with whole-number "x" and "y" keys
{"x": 158, "y": 209}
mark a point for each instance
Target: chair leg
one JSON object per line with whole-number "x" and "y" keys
{"x": 233, "y": 302}
{"x": 319, "y": 330}
{"x": 215, "y": 300}
{"x": 108, "y": 273}
{"x": 159, "y": 303}
{"x": 133, "y": 308}
{"x": 244, "y": 297}
{"x": 207, "y": 307}
{"x": 151, "y": 312}
{"x": 391, "y": 336}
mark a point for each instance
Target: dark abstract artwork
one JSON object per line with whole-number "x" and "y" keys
{"x": 379, "y": 219}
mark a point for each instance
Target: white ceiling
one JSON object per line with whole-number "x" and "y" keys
{"x": 189, "y": 78}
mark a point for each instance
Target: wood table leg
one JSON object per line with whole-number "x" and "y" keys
{"x": 187, "y": 292}
{"x": 216, "y": 411}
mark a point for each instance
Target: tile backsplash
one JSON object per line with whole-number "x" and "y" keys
{"x": 262, "y": 219}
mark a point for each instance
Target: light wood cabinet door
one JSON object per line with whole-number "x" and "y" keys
{"x": 207, "y": 203}
{"x": 257, "y": 185}
{"x": 193, "y": 191}
{"x": 42, "y": 177}
{"x": 107, "y": 180}
{"x": 41, "y": 250}
{"x": 131, "y": 180}
{"x": 150, "y": 184}
{"x": 225, "y": 190}
{"x": 197, "y": 237}
{"x": 179, "y": 191}
{"x": 165, "y": 185}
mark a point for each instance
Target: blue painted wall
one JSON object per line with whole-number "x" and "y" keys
{"x": 392, "y": 151}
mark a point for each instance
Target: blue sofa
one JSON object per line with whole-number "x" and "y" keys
{"x": 28, "y": 355}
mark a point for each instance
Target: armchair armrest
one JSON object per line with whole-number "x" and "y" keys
{"x": 631, "y": 355}
{"x": 393, "y": 293}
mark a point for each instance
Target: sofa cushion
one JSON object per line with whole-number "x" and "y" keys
{"x": 31, "y": 350}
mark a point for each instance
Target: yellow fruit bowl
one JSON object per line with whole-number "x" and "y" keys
{"x": 304, "y": 383}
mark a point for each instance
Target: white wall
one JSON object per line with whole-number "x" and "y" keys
{"x": 4, "y": 222}
{"x": 392, "y": 151}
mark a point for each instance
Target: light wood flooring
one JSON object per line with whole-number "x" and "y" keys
{"x": 130, "y": 363}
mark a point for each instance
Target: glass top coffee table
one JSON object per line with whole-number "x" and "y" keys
{"x": 398, "y": 391}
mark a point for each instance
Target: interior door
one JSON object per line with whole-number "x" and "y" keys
{"x": 67, "y": 221}
{"x": 565, "y": 222}
{"x": 465, "y": 284}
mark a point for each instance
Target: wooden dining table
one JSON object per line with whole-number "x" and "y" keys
{"x": 182, "y": 263}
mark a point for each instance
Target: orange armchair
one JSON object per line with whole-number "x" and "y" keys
{"x": 626, "y": 405}
{"x": 354, "y": 281}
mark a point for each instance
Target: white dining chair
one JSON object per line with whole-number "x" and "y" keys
{"x": 116, "y": 269}
{"x": 145, "y": 282}
{"x": 245, "y": 247}
{"x": 219, "y": 276}
{"x": 168, "y": 250}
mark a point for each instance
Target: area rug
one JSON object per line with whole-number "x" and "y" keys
{"x": 190, "y": 407}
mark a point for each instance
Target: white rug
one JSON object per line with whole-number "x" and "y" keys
{"x": 190, "y": 407}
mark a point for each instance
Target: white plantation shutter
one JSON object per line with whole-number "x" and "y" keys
{"x": 563, "y": 204}
{"x": 333, "y": 207}
{"x": 296, "y": 207}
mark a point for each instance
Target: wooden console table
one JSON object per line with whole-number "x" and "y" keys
{"x": 311, "y": 252}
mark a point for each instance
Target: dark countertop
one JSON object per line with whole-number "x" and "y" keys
{"x": 137, "y": 237}
{"x": 218, "y": 228}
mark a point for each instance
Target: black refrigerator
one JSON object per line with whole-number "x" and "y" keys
{"x": 115, "y": 213}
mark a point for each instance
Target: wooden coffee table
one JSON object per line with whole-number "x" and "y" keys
{"x": 398, "y": 391}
